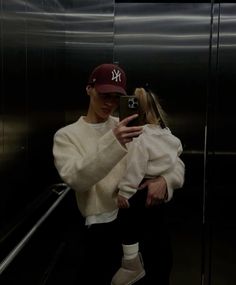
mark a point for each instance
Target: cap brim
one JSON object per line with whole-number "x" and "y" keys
{"x": 107, "y": 88}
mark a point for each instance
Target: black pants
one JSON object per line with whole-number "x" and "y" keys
{"x": 147, "y": 226}
{"x": 132, "y": 220}
{"x": 101, "y": 254}
{"x": 102, "y": 250}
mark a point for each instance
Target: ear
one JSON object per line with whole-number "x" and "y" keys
{"x": 89, "y": 89}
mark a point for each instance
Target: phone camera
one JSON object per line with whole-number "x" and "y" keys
{"x": 133, "y": 103}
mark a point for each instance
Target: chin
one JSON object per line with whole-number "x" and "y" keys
{"x": 105, "y": 115}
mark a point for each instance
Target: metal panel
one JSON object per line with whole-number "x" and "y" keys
{"x": 47, "y": 49}
{"x": 222, "y": 195}
{"x": 89, "y": 41}
{"x": 13, "y": 108}
{"x": 29, "y": 44}
{"x": 167, "y": 46}
{"x": 45, "y": 52}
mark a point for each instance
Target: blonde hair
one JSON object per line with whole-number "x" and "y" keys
{"x": 151, "y": 111}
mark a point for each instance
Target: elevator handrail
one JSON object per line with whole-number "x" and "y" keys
{"x": 61, "y": 189}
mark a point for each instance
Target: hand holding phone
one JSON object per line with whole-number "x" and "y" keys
{"x": 125, "y": 133}
{"x": 129, "y": 105}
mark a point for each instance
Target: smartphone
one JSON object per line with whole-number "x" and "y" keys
{"x": 129, "y": 105}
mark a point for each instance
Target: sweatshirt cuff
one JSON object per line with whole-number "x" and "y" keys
{"x": 169, "y": 189}
{"x": 126, "y": 194}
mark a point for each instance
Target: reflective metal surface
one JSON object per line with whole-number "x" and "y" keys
{"x": 157, "y": 44}
{"x": 62, "y": 191}
{"x": 221, "y": 173}
{"x": 184, "y": 51}
{"x": 167, "y": 47}
{"x": 45, "y": 49}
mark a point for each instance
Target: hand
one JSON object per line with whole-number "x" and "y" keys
{"x": 122, "y": 202}
{"x": 157, "y": 190}
{"x": 126, "y": 134}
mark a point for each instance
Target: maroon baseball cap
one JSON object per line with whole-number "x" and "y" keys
{"x": 108, "y": 78}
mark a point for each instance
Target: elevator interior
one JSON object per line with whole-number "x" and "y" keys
{"x": 186, "y": 52}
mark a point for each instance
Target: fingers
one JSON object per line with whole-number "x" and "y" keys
{"x": 143, "y": 185}
{"x": 148, "y": 201}
{"x": 123, "y": 204}
{"x": 130, "y": 131}
{"x": 126, "y": 134}
{"x": 153, "y": 200}
{"x": 125, "y": 121}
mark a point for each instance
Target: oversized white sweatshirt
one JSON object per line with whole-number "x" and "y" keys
{"x": 155, "y": 152}
{"x": 92, "y": 163}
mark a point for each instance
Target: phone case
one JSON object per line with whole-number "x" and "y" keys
{"x": 129, "y": 105}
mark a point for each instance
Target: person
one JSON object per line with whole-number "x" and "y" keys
{"x": 153, "y": 153}
{"x": 90, "y": 156}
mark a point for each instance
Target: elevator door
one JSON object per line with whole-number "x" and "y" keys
{"x": 166, "y": 46}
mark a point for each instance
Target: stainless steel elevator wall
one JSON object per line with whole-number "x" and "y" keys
{"x": 47, "y": 50}
{"x": 32, "y": 60}
{"x": 166, "y": 45}
{"x": 185, "y": 52}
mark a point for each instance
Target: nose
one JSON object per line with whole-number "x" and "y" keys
{"x": 112, "y": 100}
{"x": 110, "y": 104}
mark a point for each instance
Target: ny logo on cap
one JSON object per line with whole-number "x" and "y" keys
{"x": 116, "y": 75}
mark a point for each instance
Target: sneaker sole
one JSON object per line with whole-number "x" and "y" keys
{"x": 141, "y": 275}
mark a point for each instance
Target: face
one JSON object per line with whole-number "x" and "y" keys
{"x": 101, "y": 105}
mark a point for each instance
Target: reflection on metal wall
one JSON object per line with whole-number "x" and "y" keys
{"x": 13, "y": 115}
{"x": 222, "y": 145}
{"x": 167, "y": 46}
{"x": 89, "y": 30}
{"x": 48, "y": 49}
{"x": 157, "y": 44}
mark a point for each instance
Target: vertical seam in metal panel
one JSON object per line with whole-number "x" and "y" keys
{"x": 206, "y": 250}
{"x": 204, "y": 228}
{"x": 27, "y": 120}
{"x": 2, "y": 80}
{"x": 215, "y": 90}
{"x": 114, "y": 21}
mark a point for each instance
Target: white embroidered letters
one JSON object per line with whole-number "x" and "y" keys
{"x": 116, "y": 75}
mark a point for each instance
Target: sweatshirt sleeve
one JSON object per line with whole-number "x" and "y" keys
{"x": 82, "y": 169}
{"x": 137, "y": 159}
{"x": 175, "y": 177}
{"x": 151, "y": 155}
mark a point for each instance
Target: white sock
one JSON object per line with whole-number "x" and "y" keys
{"x": 130, "y": 250}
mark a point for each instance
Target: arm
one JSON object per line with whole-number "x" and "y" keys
{"x": 136, "y": 164}
{"x": 162, "y": 187}
{"x": 151, "y": 155}
{"x": 174, "y": 178}
{"x": 83, "y": 159}
{"x": 80, "y": 166}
